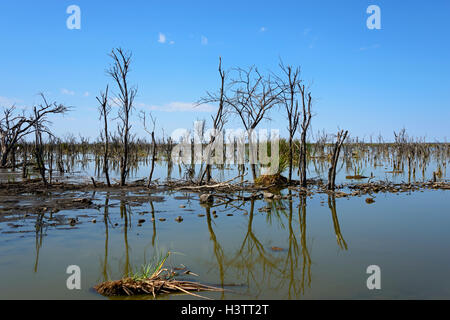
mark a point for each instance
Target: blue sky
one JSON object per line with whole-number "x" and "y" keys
{"x": 366, "y": 81}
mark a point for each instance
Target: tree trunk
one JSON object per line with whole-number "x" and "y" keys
{"x": 302, "y": 161}
{"x": 153, "y": 159}
{"x": 291, "y": 155}
{"x": 4, "y": 159}
{"x": 334, "y": 159}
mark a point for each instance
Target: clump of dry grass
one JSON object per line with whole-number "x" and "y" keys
{"x": 271, "y": 180}
{"x": 160, "y": 281}
{"x": 154, "y": 286}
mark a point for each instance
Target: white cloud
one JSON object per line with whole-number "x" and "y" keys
{"x": 374, "y": 46}
{"x": 67, "y": 92}
{"x": 179, "y": 107}
{"x": 172, "y": 42}
{"x": 204, "y": 40}
{"x": 8, "y": 102}
{"x": 86, "y": 94}
{"x": 263, "y": 29}
{"x": 162, "y": 38}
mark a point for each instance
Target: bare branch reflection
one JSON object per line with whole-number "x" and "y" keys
{"x": 339, "y": 238}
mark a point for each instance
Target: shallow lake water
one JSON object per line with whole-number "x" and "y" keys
{"x": 293, "y": 251}
{"x": 306, "y": 247}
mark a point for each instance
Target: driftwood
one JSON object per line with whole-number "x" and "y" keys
{"x": 225, "y": 184}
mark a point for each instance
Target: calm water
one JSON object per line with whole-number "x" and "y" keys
{"x": 323, "y": 245}
{"x": 325, "y": 255}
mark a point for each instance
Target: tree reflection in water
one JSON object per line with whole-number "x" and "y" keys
{"x": 252, "y": 263}
{"x": 339, "y": 238}
{"x": 291, "y": 270}
{"x": 125, "y": 214}
{"x": 39, "y": 237}
{"x": 104, "y": 263}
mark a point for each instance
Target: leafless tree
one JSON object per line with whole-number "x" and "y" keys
{"x": 167, "y": 145}
{"x": 39, "y": 150}
{"x": 152, "y": 134}
{"x": 289, "y": 85}
{"x": 340, "y": 138}
{"x": 253, "y": 96}
{"x": 14, "y": 126}
{"x": 39, "y": 121}
{"x": 306, "y": 106}
{"x": 104, "y": 110}
{"x": 119, "y": 71}
{"x": 219, "y": 119}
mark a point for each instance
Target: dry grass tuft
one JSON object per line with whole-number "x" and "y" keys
{"x": 153, "y": 281}
{"x": 271, "y": 180}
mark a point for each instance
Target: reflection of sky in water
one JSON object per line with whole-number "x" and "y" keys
{"x": 381, "y": 169}
{"x": 405, "y": 234}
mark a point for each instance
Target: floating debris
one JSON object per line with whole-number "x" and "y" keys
{"x": 356, "y": 177}
{"x": 206, "y": 198}
{"x": 268, "y": 195}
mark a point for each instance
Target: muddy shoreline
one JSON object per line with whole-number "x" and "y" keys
{"x": 32, "y": 198}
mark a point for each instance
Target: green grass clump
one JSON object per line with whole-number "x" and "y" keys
{"x": 152, "y": 269}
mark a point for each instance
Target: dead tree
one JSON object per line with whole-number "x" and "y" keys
{"x": 104, "y": 110}
{"x": 289, "y": 89}
{"x": 119, "y": 71}
{"x": 340, "y": 138}
{"x": 59, "y": 158}
{"x": 24, "y": 162}
{"x": 13, "y": 126}
{"x": 306, "y": 106}
{"x": 152, "y": 134}
{"x": 39, "y": 149}
{"x": 219, "y": 119}
{"x": 253, "y": 96}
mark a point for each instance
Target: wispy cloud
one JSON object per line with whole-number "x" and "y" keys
{"x": 204, "y": 40}
{"x": 171, "y": 42}
{"x": 86, "y": 94}
{"x": 179, "y": 107}
{"x": 8, "y": 102}
{"x": 263, "y": 29}
{"x": 67, "y": 92}
{"x": 312, "y": 39}
{"x": 162, "y": 38}
{"x": 374, "y": 46}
